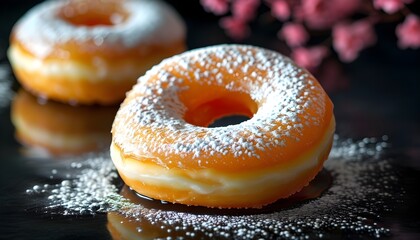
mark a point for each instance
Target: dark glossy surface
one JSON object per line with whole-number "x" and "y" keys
{"x": 381, "y": 98}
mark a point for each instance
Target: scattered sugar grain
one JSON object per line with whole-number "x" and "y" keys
{"x": 362, "y": 190}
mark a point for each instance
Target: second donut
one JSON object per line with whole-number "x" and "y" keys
{"x": 92, "y": 51}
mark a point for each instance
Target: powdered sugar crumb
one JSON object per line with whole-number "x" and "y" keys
{"x": 362, "y": 189}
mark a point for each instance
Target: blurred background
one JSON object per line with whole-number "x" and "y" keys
{"x": 376, "y": 94}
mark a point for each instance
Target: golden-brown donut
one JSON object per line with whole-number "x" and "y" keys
{"x": 92, "y": 51}
{"x": 163, "y": 149}
{"x": 60, "y": 129}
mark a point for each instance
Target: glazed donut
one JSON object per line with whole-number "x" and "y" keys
{"x": 92, "y": 51}
{"x": 59, "y": 129}
{"x": 163, "y": 149}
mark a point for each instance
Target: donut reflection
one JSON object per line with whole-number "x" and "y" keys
{"x": 60, "y": 129}
{"x": 151, "y": 219}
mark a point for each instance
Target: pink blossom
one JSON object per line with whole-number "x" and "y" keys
{"x": 280, "y": 9}
{"x": 309, "y": 58}
{"x": 236, "y": 28}
{"x": 350, "y": 38}
{"x": 217, "y": 7}
{"x": 408, "y": 32}
{"x": 322, "y": 14}
{"x": 390, "y": 6}
{"x": 294, "y": 34}
{"x": 245, "y": 9}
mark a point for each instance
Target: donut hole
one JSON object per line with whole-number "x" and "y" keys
{"x": 229, "y": 120}
{"x": 229, "y": 109}
{"x": 93, "y": 12}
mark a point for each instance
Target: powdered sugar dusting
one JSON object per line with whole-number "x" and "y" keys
{"x": 151, "y": 118}
{"x": 361, "y": 191}
{"x": 149, "y": 22}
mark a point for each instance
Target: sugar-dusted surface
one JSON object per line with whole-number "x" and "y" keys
{"x": 363, "y": 189}
{"x": 149, "y": 22}
{"x": 150, "y": 123}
